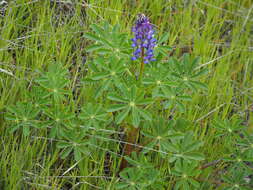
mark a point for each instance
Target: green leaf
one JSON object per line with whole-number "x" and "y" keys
{"x": 145, "y": 101}
{"x": 116, "y": 98}
{"x": 53, "y": 132}
{"x": 12, "y": 129}
{"x": 164, "y": 38}
{"x": 186, "y": 98}
{"x": 99, "y": 76}
{"x": 179, "y": 184}
{"x": 91, "y": 37}
{"x": 186, "y": 186}
{"x": 26, "y": 131}
{"x": 148, "y": 81}
{"x": 97, "y": 29}
{"x": 103, "y": 51}
{"x": 106, "y": 43}
{"x": 201, "y": 72}
{"x": 116, "y": 107}
{"x": 156, "y": 92}
{"x": 194, "y": 183}
{"x": 121, "y": 116}
{"x": 172, "y": 159}
{"x": 193, "y": 146}
{"x": 63, "y": 144}
{"x": 133, "y": 92}
{"x": 163, "y": 51}
{"x": 146, "y": 115}
{"x": 77, "y": 154}
{"x": 171, "y": 148}
{"x": 104, "y": 86}
{"x": 199, "y": 85}
{"x": 92, "y": 48}
{"x": 191, "y": 86}
{"x": 181, "y": 106}
{"x": 135, "y": 117}
{"x": 194, "y": 156}
{"x": 121, "y": 185}
{"x": 93, "y": 66}
{"x": 66, "y": 152}
{"x": 148, "y": 147}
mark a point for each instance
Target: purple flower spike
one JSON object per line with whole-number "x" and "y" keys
{"x": 143, "y": 41}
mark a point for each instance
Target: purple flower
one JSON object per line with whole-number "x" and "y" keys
{"x": 143, "y": 41}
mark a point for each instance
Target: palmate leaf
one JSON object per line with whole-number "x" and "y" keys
{"x": 55, "y": 81}
{"x": 75, "y": 143}
{"x": 138, "y": 160}
{"x": 22, "y": 115}
{"x": 158, "y": 78}
{"x": 131, "y": 179}
{"x": 142, "y": 176}
{"x": 37, "y": 96}
{"x": 185, "y": 148}
{"x": 186, "y": 72}
{"x": 235, "y": 178}
{"x": 109, "y": 40}
{"x": 185, "y": 173}
{"x": 228, "y": 127}
{"x": 131, "y": 105}
{"x": 93, "y": 115}
{"x": 245, "y": 142}
{"x": 109, "y": 72}
{"x": 59, "y": 119}
{"x": 160, "y": 131}
{"x": 174, "y": 97}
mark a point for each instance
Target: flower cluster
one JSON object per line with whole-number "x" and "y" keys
{"x": 143, "y": 41}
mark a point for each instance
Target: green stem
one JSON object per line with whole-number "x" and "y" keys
{"x": 142, "y": 64}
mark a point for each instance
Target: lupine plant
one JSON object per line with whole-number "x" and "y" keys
{"x": 135, "y": 87}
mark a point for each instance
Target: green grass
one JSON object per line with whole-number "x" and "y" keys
{"x": 34, "y": 33}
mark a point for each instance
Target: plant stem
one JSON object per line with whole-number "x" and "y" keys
{"x": 132, "y": 137}
{"x": 132, "y": 132}
{"x": 142, "y": 64}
